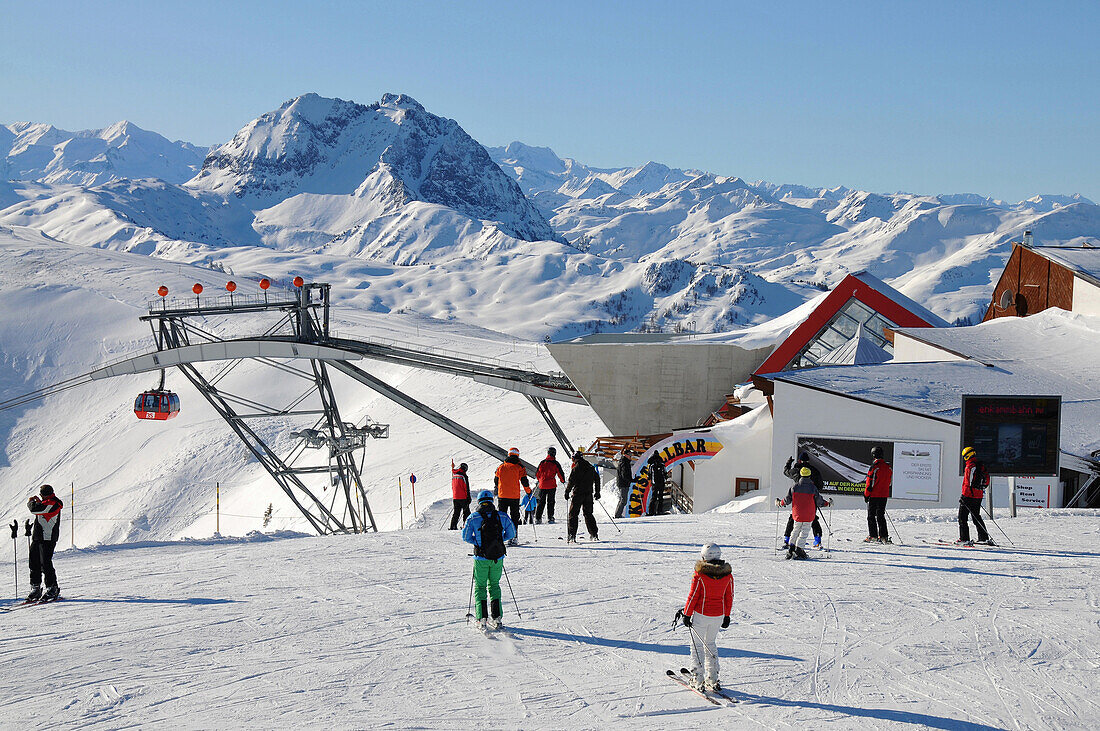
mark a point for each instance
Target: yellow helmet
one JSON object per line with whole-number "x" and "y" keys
{"x": 805, "y": 472}
{"x": 968, "y": 452}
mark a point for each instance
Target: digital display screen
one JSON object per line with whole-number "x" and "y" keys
{"x": 1013, "y": 435}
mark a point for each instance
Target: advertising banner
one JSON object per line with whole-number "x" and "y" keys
{"x": 1013, "y": 435}
{"x": 843, "y": 463}
{"x": 690, "y": 446}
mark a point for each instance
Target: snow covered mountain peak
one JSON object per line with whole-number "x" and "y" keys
{"x": 38, "y": 152}
{"x": 331, "y": 147}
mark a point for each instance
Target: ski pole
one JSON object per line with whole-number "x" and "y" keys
{"x": 893, "y": 527}
{"x": 15, "y": 553}
{"x": 994, "y": 520}
{"x": 829, "y": 547}
{"x": 775, "y": 540}
{"x": 827, "y": 526}
{"x": 470, "y": 606}
{"x": 610, "y": 518}
{"x": 505, "y": 568}
{"x": 697, "y": 638}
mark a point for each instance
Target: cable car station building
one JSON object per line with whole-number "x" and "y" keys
{"x": 866, "y": 366}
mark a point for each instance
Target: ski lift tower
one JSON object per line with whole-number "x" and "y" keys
{"x": 285, "y": 330}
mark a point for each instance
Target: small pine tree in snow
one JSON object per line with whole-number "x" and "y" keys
{"x": 267, "y": 514}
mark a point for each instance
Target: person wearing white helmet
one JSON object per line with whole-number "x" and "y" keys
{"x": 707, "y": 610}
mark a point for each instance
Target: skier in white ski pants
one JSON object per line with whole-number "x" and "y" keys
{"x": 704, "y": 646}
{"x": 706, "y": 611}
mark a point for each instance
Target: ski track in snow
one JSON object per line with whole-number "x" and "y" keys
{"x": 370, "y": 631}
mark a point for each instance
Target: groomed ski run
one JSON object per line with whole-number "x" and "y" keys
{"x": 363, "y": 631}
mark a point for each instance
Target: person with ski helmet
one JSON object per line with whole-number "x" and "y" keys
{"x": 547, "y": 475}
{"x": 804, "y": 499}
{"x": 460, "y": 494}
{"x": 658, "y": 478}
{"x": 46, "y": 508}
{"x": 975, "y": 481}
{"x": 509, "y": 478}
{"x": 707, "y": 609}
{"x": 876, "y": 492}
{"x": 792, "y": 471}
{"x": 488, "y": 530}
{"x": 623, "y": 480}
{"x": 584, "y": 484}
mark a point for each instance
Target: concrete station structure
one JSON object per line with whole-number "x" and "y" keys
{"x": 866, "y": 365}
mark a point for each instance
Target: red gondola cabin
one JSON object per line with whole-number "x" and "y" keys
{"x": 158, "y": 405}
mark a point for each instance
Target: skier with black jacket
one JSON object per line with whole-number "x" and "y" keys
{"x": 623, "y": 480}
{"x": 658, "y": 478}
{"x": 488, "y": 530}
{"x": 584, "y": 484}
{"x": 792, "y": 471}
{"x": 46, "y": 508}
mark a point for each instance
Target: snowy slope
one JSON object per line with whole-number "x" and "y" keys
{"x": 44, "y": 153}
{"x": 79, "y": 308}
{"x": 369, "y": 631}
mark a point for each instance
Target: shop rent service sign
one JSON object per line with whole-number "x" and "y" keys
{"x": 844, "y": 461}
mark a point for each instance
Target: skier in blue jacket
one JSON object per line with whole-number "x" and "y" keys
{"x": 488, "y": 530}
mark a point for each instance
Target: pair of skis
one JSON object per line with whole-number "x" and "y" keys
{"x": 35, "y": 603}
{"x": 716, "y": 697}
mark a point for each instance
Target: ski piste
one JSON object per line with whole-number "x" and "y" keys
{"x": 719, "y": 693}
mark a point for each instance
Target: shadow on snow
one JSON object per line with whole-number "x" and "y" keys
{"x": 643, "y": 646}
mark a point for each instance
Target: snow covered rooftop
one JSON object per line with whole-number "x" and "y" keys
{"x": 1052, "y": 353}
{"x": 1084, "y": 261}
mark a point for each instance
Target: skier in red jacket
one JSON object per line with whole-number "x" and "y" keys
{"x": 707, "y": 610}
{"x": 975, "y": 480}
{"x": 460, "y": 494}
{"x": 876, "y": 491}
{"x": 547, "y": 475}
{"x": 804, "y": 500}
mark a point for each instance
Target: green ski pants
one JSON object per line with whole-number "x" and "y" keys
{"x": 486, "y": 581}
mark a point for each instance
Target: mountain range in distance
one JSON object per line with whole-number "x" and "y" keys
{"x": 403, "y": 211}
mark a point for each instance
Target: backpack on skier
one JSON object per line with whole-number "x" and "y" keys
{"x": 492, "y": 537}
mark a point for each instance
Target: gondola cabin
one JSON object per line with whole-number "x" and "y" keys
{"x": 158, "y": 405}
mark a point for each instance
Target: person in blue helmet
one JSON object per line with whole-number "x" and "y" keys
{"x": 488, "y": 530}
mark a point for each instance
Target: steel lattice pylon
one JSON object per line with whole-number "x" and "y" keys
{"x": 303, "y": 316}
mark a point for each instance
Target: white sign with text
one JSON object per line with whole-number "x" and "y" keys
{"x": 916, "y": 471}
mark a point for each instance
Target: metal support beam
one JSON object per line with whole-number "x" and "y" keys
{"x": 559, "y": 433}
{"x": 426, "y": 412}
{"x": 1084, "y": 490}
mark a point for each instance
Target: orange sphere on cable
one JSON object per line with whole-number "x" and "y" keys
{"x": 197, "y": 289}
{"x": 162, "y": 291}
{"x": 298, "y": 281}
{"x": 231, "y": 286}
{"x": 265, "y": 283}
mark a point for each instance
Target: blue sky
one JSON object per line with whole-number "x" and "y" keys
{"x": 998, "y": 98}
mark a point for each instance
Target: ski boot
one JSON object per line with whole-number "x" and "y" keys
{"x": 550, "y": 521}
{"x": 886, "y": 541}
{"x": 695, "y": 680}
{"x": 35, "y": 595}
{"x": 817, "y": 542}
{"x": 962, "y": 542}
{"x": 571, "y": 539}
{"x": 495, "y": 615}
{"x": 714, "y": 686}
{"x": 593, "y": 537}
{"x": 786, "y": 540}
{"x": 51, "y": 593}
{"x": 986, "y": 542}
{"x": 870, "y": 539}
{"x": 800, "y": 553}
{"x": 790, "y": 553}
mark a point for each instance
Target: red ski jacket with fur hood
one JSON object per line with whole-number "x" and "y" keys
{"x": 711, "y": 591}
